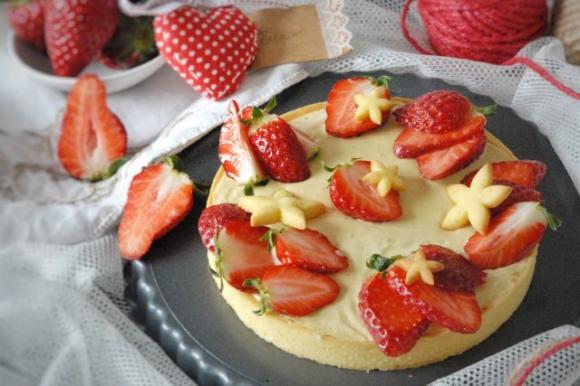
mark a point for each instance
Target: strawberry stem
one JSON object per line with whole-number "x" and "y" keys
{"x": 249, "y": 188}
{"x": 262, "y": 293}
{"x": 271, "y": 105}
{"x": 329, "y": 168}
{"x": 174, "y": 161}
{"x": 270, "y": 237}
{"x": 381, "y": 81}
{"x": 381, "y": 263}
{"x": 219, "y": 262}
{"x": 486, "y": 110}
{"x": 553, "y": 222}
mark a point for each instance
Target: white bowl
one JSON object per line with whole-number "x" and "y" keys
{"x": 37, "y": 66}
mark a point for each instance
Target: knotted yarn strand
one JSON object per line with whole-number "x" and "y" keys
{"x": 491, "y": 31}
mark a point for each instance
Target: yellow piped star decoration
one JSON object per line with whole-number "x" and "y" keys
{"x": 282, "y": 207}
{"x": 418, "y": 267}
{"x": 472, "y": 203}
{"x": 384, "y": 178}
{"x": 372, "y": 105}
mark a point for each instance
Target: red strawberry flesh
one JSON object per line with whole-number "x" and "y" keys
{"x": 298, "y": 292}
{"x": 411, "y": 143}
{"x": 443, "y": 163}
{"x": 214, "y": 218}
{"x": 435, "y": 112}
{"x": 510, "y": 237}
{"x": 309, "y": 249}
{"x": 394, "y": 326}
{"x": 358, "y": 199}
{"x": 341, "y": 108}
{"x": 526, "y": 173}
{"x": 458, "y": 275}
{"x": 92, "y": 137}
{"x": 158, "y": 199}
{"x": 456, "y": 310}
{"x": 244, "y": 253}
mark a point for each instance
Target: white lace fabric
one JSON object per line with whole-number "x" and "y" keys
{"x": 62, "y": 316}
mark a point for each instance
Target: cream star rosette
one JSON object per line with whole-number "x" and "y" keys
{"x": 282, "y": 207}
{"x": 371, "y": 105}
{"x": 384, "y": 178}
{"x": 418, "y": 267}
{"x": 472, "y": 203}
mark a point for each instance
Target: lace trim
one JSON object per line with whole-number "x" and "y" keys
{"x": 333, "y": 24}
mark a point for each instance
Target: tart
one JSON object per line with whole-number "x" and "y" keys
{"x": 337, "y": 331}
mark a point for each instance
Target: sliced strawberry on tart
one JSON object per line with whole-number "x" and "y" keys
{"x": 367, "y": 191}
{"x": 443, "y": 131}
{"x": 214, "y": 218}
{"x": 357, "y": 105}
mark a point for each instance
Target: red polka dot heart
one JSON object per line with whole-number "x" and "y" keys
{"x": 211, "y": 50}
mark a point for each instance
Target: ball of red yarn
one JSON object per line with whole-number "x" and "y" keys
{"x": 491, "y": 31}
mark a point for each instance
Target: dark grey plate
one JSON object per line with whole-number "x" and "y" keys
{"x": 180, "y": 306}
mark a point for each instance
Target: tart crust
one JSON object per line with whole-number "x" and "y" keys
{"x": 334, "y": 345}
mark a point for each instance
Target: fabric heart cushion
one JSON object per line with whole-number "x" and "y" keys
{"x": 211, "y": 49}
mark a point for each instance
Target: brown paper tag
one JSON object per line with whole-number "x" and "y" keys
{"x": 288, "y": 35}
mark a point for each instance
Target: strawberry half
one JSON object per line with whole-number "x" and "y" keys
{"x": 341, "y": 107}
{"x": 27, "y": 20}
{"x": 442, "y": 163}
{"x": 279, "y": 150}
{"x": 411, "y": 143}
{"x": 91, "y": 137}
{"x": 358, "y": 199}
{"x": 309, "y": 145}
{"x": 526, "y": 173}
{"x": 310, "y": 250}
{"x": 510, "y": 236}
{"x": 459, "y": 274}
{"x": 76, "y": 31}
{"x": 438, "y": 111}
{"x": 293, "y": 291}
{"x": 235, "y": 152}
{"x": 394, "y": 326}
{"x": 456, "y": 310}
{"x": 214, "y": 218}
{"x": 242, "y": 253}
{"x": 158, "y": 199}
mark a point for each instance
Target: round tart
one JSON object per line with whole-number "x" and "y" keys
{"x": 336, "y": 334}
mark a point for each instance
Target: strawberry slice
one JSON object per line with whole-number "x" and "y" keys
{"x": 456, "y": 310}
{"x": 438, "y": 111}
{"x": 394, "y": 326}
{"x": 341, "y": 107}
{"x": 459, "y": 274}
{"x": 158, "y": 199}
{"x": 510, "y": 236}
{"x": 293, "y": 291}
{"x": 527, "y": 173}
{"x": 519, "y": 194}
{"x": 411, "y": 143}
{"x": 279, "y": 150}
{"x": 235, "y": 152}
{"x": 242, "y": 253}
{"x": 358, "y": 199}
{"x": 442, "y": 163}
{"x": 214, "y": 218}
{"x": 310, "y": 250}
{"x": 91, "y": 137}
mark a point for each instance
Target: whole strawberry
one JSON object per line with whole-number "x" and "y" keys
{"x": 27, "y": 20}
{"x": 76, "y": 31}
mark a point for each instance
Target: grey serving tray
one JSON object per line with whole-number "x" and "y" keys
{"x": 179, "y": 305}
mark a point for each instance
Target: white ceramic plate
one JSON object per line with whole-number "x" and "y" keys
{"x": 37, "y": 66}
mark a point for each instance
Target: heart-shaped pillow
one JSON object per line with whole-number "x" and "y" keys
{"x": 211, "y": 50}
